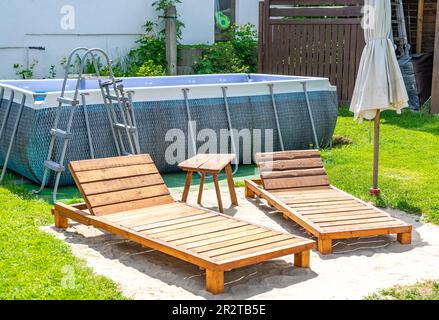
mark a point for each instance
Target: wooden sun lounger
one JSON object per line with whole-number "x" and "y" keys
{"x": 296, "y": 184}
{"x": 128, "y": 197}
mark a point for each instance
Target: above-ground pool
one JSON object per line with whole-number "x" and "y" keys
{"x": 159, "y": 106}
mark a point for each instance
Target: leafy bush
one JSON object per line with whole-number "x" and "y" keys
{"x": 151, "y": 47}
{"x": 245, "y": 44}
{"x": 149, "y": 69}
{"x": 23, "y": 72}
{"x": 220, "y": 58}
{"x": 234, "y": 56}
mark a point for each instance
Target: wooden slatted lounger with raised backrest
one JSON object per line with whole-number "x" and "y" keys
{"x": 296, "y": 184}
{"x": 128, "y": 197}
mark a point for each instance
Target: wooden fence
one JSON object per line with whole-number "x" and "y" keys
{"x": 321, "y": 38}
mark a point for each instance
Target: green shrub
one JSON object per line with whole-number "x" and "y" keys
{"x": 149, "y": 69}
{"x": 234, "y": 56}
{"x": 245, "y": 44}
{"x": 150, "y": 47}
{"x": 220, "y": 58}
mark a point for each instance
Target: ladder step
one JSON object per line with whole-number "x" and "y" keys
{"x": 68, "y": 101}
{"x": 121, "y": 126}
{"x": 109, "y": 83}
{"x": 61, "y": 133}
{"x": 52, "y": 165}
{"x": 115, "y": 98}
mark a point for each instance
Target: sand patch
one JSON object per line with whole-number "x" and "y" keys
{"x": 357, "y": 267}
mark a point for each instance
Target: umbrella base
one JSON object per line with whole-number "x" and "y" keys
{"x": 375, "y": 191}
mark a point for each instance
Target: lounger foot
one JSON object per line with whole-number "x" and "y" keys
{"x": 61, "y": 222}
{"x": 215, "y": 281}
{"x": 302, "y": 259}
{"x": 249, "y": 193}
{"x": 325, "y": 246}
{"x": 404, "y": 238}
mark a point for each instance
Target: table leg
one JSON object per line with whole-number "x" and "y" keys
{"x": 200, "y": 191}
{"x": 231, "y": 184}
{"x": 187, "y": 186}
{"x": 218, "y": 193}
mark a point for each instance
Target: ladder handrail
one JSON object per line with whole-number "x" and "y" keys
{"x": 124, "y": 104}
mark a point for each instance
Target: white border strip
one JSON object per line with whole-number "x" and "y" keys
{"x": 196, "y": 91}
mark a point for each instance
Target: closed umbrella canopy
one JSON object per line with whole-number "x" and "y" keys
{"x": 379, "y": 84}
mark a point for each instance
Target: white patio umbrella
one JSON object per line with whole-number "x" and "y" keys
{"x": 379, "y": 85}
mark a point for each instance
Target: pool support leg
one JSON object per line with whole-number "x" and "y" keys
{"x": 311, "y": 117}
{"x": 276, "y": 116}
{"x": 11, "y": 142}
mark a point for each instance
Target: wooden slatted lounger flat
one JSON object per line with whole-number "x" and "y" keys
{"x": 296, "y": 184}
{"x": 128, "y": 197}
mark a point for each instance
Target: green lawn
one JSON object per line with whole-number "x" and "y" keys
{"x": 35, "y": 265}
{"x": 426, "y": 290}
{"x": 409, "y": 161}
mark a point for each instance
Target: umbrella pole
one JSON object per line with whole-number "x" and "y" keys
{"x": 376, "y": 150}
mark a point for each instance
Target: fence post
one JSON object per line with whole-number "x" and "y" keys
{"x": 435, "y": 89}
{"x": 261, "y": 40}
{"x": 171, "y": 39}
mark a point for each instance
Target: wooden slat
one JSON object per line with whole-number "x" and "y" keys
{"x": 207, "y": 162}
{"x": 196, "y": 240}
{"x": 105, "y": 163}
{"x": 305, "y": 191}
{"x": 116, "y": 173}
{"x": 162, "y": 218}
{"x": 294, "y": 201}
{"x": 287, "y": 155}
{"x": 382, "y": 220}
{"x": 293, "y": 173}
{"x": 144, "y": 203}
{"x": 128, "y": 195}
{"x": 243, "y": 253}
{"x": 280, "y": 183}
{"x": 324, "y": 22}
{"x": 333, "y": 210}
{"x": 329, "y": 218}
{"x": 229, "y": 244}
{"x": 317, "y": 2}
{"x": 122, "y": 184}
{"x": 141, "y": 225}
{"x": 316, "y": 12}
{"x": 333, "y": 230}
{"x": 324, "y": 204}
{"x": 184, "y": 226}
{"x": 290, "y": 164}
{"x": 273, "y": 240}
{"x": 225, "y": 237}
{"x": 148, "y": 212}
{"x": 342, "y": 214}
{"x": 310, "y": 194}
{"x": 228, "y": 225}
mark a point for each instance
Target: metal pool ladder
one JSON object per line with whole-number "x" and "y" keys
{"x": 54, "y": 162}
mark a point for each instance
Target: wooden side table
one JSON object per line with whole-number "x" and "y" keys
{"x": 209, "y": 164}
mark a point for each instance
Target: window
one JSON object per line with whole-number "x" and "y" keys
{"x": 224, "y": 18}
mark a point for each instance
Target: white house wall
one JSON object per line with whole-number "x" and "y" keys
{"x": 113, "y": 25}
